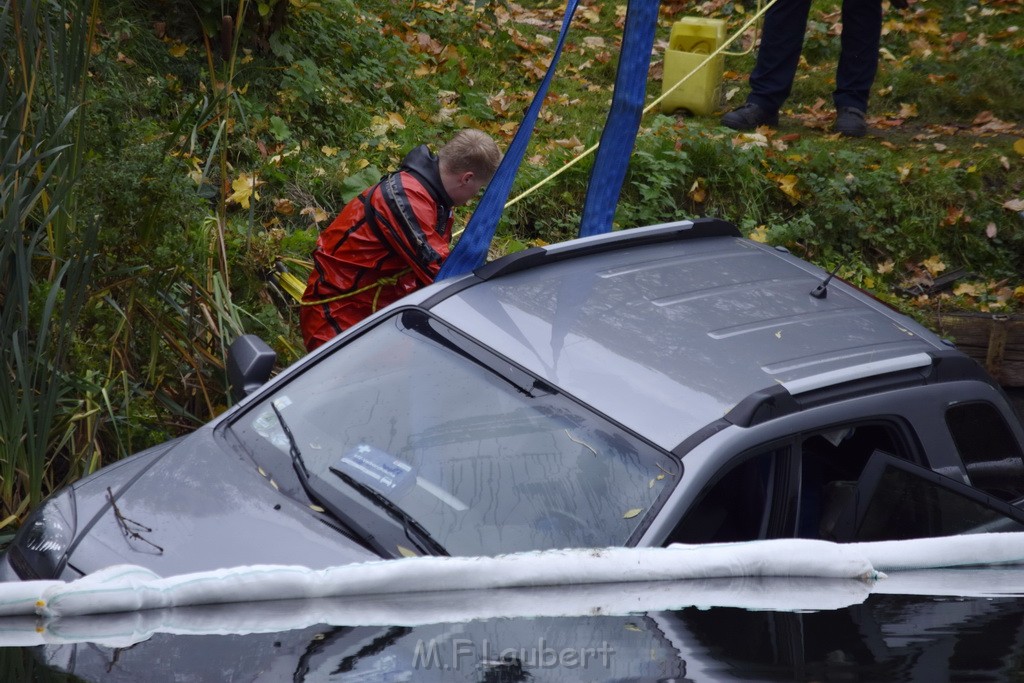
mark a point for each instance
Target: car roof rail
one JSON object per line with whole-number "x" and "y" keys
{"x": 655, "y": 234}
{"x": 931, "y": 367}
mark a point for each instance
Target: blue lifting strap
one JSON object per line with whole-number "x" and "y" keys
{"x": 623, "y": 120}
{"x": 471, "y": 251}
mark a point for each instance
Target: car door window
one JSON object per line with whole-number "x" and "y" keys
{"x": 832, "y": 461}
{"x": 798, "y": 487}
{"x": 988, "y": 449}
{"x": 737, "y": 507}
{"x": 897, "y": 500}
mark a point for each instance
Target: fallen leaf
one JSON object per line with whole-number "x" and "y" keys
{"x": 285, "y": 207}
{"x": 244, "y": 187}
{"x": 405, "y": 552}
{"x": 1018, "y": 146}
{"x": 969, "y": 289}
{"x": 570, "y": 143}
{"x": 885, "y": 268}
{"x": 759, "y": 234}
{"x": 934, "y": 265}
{"x": 907, "y": 111}
{"x": 697, "y": 192}
{"x": 316, "y": 214}
{"x": 630, "y": 514}
{"x": 1014, "y": 205}
{"x": 991, "y": 231}
{"x": 787, "y": 184}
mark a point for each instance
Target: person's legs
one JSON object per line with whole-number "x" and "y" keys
{"x": 779, "y": 54}
{"x": 858, "y": 59}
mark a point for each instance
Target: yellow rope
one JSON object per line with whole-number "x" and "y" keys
{"x": 590, "y": 150}
{"x": 379, "y": 284}
{"x": 752, "y": 42}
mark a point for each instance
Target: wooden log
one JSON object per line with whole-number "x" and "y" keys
{"x": 994, "y": 340}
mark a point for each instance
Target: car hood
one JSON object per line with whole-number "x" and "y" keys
{"x": 194, "y": 505}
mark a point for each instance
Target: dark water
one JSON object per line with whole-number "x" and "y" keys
{"x": 854, "y": 633}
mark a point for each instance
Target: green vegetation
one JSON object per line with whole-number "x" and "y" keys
{"x": 152, "y": 181}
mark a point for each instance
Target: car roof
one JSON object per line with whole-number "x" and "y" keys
{"x": 666, "y": 332}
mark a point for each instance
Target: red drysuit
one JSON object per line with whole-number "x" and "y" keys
{"x": 387, "y": 242}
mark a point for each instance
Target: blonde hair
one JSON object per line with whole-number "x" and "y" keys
{"x": 470, "y": 150}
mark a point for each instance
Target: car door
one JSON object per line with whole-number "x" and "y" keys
{"x": 839, "y": 483}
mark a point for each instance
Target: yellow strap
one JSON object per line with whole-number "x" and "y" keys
{"x": 379, "y": 284}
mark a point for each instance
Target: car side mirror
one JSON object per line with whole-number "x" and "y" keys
{"x": 250, "y": 362}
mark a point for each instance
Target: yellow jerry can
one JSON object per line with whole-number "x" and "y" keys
{"x": 691, "y": 41}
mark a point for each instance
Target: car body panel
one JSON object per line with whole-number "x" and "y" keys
{"x": 684, "y": 331}
{"x": 198, "y": 506}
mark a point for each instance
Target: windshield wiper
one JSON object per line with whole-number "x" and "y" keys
{"x": 293, "y": 449}
{"x": 385, "y": 503}
{"x": 354, "y": 529}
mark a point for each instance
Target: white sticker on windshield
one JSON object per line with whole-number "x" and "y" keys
{"x": 380, "y": 470}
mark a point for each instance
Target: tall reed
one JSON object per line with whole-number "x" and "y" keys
{"x": 45, "y": 247}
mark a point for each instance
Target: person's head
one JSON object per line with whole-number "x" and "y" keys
{"x": 467, "y": 162}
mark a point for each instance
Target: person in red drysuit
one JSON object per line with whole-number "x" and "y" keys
{"x": 393, "y": 237}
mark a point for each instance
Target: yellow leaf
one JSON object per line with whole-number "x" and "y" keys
{"x": 361, "y": 164}
{"x": 244, "y": 187}
{"x": 697, "y": 192}
{"x": 329, "y": 151}
{"x": 885, "y": 268}
{"x": 630, "y": 514}
{"x": 1018, "y": 146}
{"x": 787, "y": 184}
{"x": 405, "y": 552}
{"x": 178, "y": 50}
{"x": 934, "y": 265}
{"x": 381, "y": 125}
{"x": 968, "y": 289}
{"x": 759, "y": 234}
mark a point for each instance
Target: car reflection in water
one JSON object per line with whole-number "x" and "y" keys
{"x": 759, "y": 629}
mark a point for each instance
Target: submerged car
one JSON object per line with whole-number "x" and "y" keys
{"x": 674, "y": 383}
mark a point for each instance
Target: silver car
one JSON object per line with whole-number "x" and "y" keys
{"x": 675, "y": 383}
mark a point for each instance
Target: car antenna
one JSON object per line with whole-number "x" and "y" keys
{"x": 821, "y": 291}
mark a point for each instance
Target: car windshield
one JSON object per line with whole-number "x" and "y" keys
{"x": 483, "y": 457}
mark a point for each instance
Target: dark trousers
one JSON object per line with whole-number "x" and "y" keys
{"x": 782, "y": 41}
